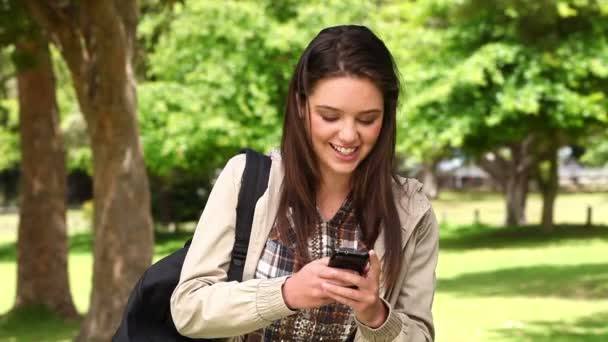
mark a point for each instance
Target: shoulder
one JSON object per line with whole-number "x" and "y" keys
{"x": 411, "y": 201}
{"x": 235, "y": 167}
{"x": 236, "y": 162}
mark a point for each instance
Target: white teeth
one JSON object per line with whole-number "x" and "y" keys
{"x": 344, "y": 150}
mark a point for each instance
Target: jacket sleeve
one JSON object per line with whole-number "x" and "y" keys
{"x": 204, "y": 304}
{"x": 411, "y": 320}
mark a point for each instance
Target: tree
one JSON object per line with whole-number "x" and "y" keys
{"x": 42, "y": 270}
{"x": 516, "y": 80}
{"x": 547, "y": 178}
{"x": 97, "y": 41}
{"x": 596, "y": 149}
{"x": 217, "y": 81}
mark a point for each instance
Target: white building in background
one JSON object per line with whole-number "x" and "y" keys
{"x": 573, "y": 176}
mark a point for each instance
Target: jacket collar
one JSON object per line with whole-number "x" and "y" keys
{"x": 411, "y": 206}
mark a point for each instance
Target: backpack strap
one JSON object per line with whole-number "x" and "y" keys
{"x": 253, "y": 185}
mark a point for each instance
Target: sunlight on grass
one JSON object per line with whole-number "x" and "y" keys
{"x": 525, "y": 286}
{"x": 459, "y": 208}
{"x": 511, "y": 318}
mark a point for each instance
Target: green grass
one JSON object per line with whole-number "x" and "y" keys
{"x": 36, "y": 324}
{"x": 520, "y": 284}
{"x": 459, "y": 208}
{"x": 494, "y": 284}
{"x": 39, "y": 325}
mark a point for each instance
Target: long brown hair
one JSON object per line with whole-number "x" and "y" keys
{"x": 342, "y": 51}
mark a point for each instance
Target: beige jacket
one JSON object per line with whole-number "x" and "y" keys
{"x": 205, "y": 305}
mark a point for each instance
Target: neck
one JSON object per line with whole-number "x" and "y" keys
{"x": 333, "y": 188}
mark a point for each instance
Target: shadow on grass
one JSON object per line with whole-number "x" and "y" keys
{"x": 8, "y": 252}
{"x": 593, "y": 328}
{"x": 82, "y": 243}
{"x": 483, "y": 236}
{"x": 36, "y": 324}
{"x": 584, "y": 281}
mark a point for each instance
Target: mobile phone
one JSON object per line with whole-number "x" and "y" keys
{"x": 349, "y": 258}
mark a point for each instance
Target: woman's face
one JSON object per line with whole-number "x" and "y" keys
{"x": 345, "y": 121}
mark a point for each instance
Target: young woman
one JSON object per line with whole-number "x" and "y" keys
{"x": 332, "y": 185}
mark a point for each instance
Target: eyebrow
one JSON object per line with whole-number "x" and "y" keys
{"x": 368, "y": 111}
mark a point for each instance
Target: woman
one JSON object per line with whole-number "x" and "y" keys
{"x": 332, "y": 185}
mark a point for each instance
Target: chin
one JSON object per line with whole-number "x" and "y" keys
{"x": 345, "y": 171}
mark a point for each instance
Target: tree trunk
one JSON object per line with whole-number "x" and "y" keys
{"x": 123, "y": 226}
{"x": 42, "y": 265}
{"x": 548, "y": 182}
{"x": 98, "y": 46}
{"x": 429, "y": 180}
{"x": 516, "y": 193}
{"x": 513, "y": 175}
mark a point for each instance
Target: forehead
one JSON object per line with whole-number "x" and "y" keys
{"x": 347, "y": 93}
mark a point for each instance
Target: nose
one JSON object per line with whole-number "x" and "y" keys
{"x": 348, "y": 133}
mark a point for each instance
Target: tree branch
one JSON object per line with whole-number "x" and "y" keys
{"x": 62, "y": 30}
{"x": 527, "y": 157}
{"x": 109, "y": 40}
{"x": 128, "y": 11}
{"x": 494, "y": 167}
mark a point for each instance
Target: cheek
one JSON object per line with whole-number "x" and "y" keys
{"x": 320, "y": 130}
{"x": 373, "y": 132}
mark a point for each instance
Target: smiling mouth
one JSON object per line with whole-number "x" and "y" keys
{"x": 345, "y": 151}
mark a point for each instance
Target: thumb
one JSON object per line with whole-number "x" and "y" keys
{"x": 374, "y": 264}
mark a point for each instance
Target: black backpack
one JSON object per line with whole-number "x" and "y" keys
{"x": 147, "y": 316}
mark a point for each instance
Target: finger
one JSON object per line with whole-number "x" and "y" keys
{"x": 327, "y": 276}
{"x": 338, "y": 283}
{"x": 345, "y": 277}
{"x": 330, "y": 272}
{"x": 351, "y": 294}
{"x": 343, "y": 300}
{"x": 374, "y": 265}
{"x": 322, "y": 261}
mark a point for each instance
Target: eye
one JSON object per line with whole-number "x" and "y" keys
{"x": 367, "y": 122}
{"x": 329, "y": 117}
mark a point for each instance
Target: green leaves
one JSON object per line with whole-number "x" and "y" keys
{"x": 219, "y": 74}
{"x": 178, "y": 132}
{"x": 497, "y": 72}
{"x": 9, "y": 135}
{"x": 213, "y": 87}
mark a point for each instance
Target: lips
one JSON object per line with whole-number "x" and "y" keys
{"x": 345, "y": 151}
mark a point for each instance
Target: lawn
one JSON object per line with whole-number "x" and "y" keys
{"x": 522, "y": 285}
{"x": 459, "y": 208}
{"x": 494, "y": 284}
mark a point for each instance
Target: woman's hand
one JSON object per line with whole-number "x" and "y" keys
{"x": 303, "y": 290}
{"x": 365, "y": 299}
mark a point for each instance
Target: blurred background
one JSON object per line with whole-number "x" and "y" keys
{"x": 504, "y": 117}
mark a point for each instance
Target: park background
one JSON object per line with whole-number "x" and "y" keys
{"x": 503, "y": 117}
